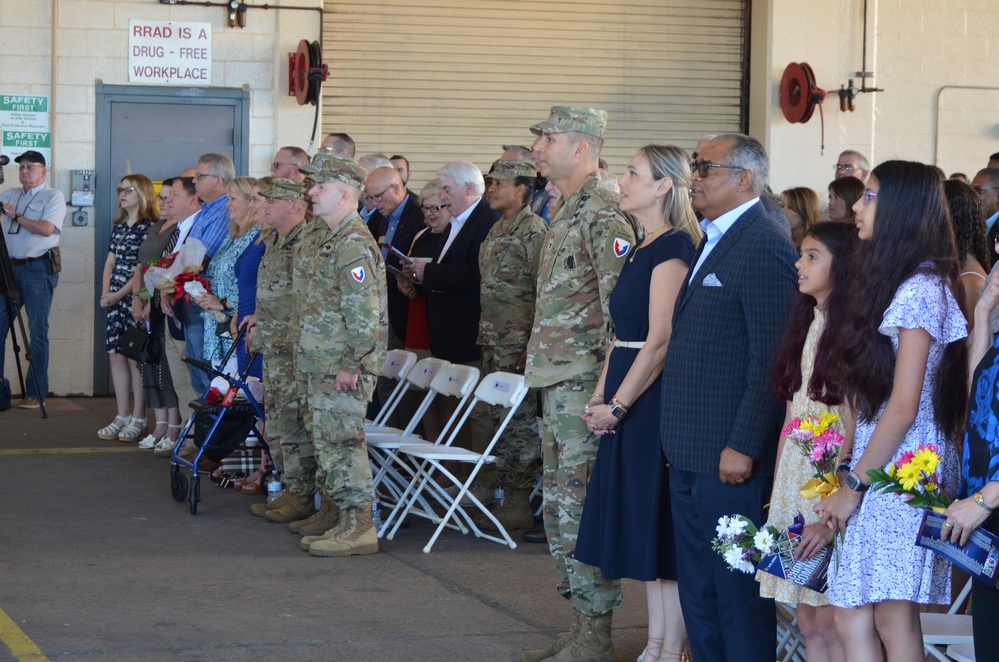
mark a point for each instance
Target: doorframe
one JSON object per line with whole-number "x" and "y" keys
{"x": 106, "y": 95}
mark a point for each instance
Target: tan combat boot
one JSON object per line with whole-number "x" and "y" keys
{"x": 319, "y": 523}
{"x": 296, "y": 507}
{"x": 515, "y": 513}
{"x": 261, "y": 509}
{"x": 354, "y": 535}
{"x": 539, "y": 654}
{"x": 591, "y": 644}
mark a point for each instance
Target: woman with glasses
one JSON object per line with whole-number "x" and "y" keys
{"x": 136, "y": 210}
{"x": 157, "y": 381}
{"x": 221, "y": 303}
{"x": 903, "y": 368}
{"x": 626, "y": 529}
{"x": 424, "y": 247}
{"x": 843, "y": 195}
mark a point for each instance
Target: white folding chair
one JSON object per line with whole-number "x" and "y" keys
{"x": 420, "y": 376}
{"x": 500, "y": 389}
{"x": 390, "y": 475}
{"x": 941, "y": 630}
{"x": 790, "y": 642}
{"x": 961, "y": 652}
{"x": 398, "y": 363}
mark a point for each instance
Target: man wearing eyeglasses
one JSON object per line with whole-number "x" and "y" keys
{"x": 720, "y": 423}
{"x": 338, "y": 144}
{"x": 287, "y": 161}
{"x": 396, "y": 222}
{"x": 33, "y": 215}
{"x": 213, "y": 173}
{"x": 852, "y": 163}
{"x": 986, "y": 185}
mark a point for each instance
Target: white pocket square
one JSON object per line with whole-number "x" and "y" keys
{"x": 711, "y": 280}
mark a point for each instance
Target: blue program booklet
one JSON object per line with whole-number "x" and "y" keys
{"x": 811, "y": 573}
{"x": 979, "y": 557}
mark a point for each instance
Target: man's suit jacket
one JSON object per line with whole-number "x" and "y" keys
{"x": 727, "y": 323}
{"x": 452, "y": 286}
{"x": 410, "y": 223}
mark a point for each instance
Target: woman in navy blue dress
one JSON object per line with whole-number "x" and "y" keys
{"x": 625, "y": 528}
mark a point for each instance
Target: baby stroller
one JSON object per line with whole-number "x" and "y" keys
{"x": 218, "y": 428}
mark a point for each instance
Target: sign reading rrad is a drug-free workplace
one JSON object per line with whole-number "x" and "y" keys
{"x": 169, "y": 53}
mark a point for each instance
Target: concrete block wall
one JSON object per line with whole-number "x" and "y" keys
{"x": 919, "y": 49}
{"x": 89, "y": 41}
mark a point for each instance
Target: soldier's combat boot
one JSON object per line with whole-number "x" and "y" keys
{"x": 354, "y": 535}
{"x": 515, "y": 513}
{"x": 592, "y": 642}
{"x": 319, "y": 523}
{"x": 261, "y": 509}
{"x": 539, "y": 654}
{"x": 295, "y": 508}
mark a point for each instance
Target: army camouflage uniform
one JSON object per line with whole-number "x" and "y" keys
{"x": 339, "y": 285}
{"x": 583, "y": 255}
{"x": 508, "y": 261}
{"x": 275, "y": 337}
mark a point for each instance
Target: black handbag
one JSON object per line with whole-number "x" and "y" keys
{"x": 139, "y": 345}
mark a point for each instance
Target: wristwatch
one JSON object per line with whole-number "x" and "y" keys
{"x": 618, "y": 410}
{"x": 980, "y": 500}
{"x": 854, "y": 483}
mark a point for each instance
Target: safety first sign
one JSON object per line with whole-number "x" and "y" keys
{"x": 169, "y": 53}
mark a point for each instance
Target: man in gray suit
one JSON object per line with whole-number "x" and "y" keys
{"x": 720, "y": 420}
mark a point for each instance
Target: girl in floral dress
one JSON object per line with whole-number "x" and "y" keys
{"x": 903, "y": 361}
{"x": 804, "y": 362}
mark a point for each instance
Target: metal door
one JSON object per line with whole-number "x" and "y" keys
{"x": 155, "y": 131}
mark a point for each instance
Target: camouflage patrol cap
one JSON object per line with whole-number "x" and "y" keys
{"x": 332, "y": 168}
{"x": 590, "y": 121}
{"x": 285, "y": 189}
{"x": 504, "y": 170}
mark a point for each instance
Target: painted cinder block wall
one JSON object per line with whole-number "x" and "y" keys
{"x": 77, "y": 42}
{"x": 923, "y": 52}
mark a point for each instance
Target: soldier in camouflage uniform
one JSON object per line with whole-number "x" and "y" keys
{"x": 273, "y": 333}
{"x": 339, "y": 288}
{"x": 584, "y": 252}
{"x": 508, "y": 263}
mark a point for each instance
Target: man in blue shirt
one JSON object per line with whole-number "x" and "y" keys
{"x": 211, "y": 227}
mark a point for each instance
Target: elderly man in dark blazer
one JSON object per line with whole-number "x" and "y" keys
{"x": 720, "y": 420}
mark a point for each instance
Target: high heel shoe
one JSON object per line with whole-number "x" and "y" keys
{"x": 151, "y": 440}
{"x": 136, "y": 428}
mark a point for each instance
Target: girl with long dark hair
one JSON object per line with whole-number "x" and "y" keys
{"x": 805, "y": 363}
{"x": 903, "y": 359}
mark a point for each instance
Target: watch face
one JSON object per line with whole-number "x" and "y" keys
{"x": 853, "y": 481}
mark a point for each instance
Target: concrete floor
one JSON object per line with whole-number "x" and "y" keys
{"x": 98, "y": 562}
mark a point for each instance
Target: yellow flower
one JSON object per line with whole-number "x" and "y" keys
{"x": 930, "y": 487}
{"x": 926, "y": 460}
{"x": 891, "y": 470}
{"x": 908, "y": 476}
{"x": 827, "y": 420}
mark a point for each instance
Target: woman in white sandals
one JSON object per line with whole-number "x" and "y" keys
{"x": 136, "y": 200}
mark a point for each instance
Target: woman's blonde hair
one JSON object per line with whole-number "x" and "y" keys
{"x": 263, "y": 184}
{"x": 672, "y": 162}
{"x": 243, "y": 187}
{"x": 147, "y": 200}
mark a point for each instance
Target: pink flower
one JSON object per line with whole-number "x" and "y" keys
{"x": 905, "y": 459}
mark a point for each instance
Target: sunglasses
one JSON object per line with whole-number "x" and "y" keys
{"x": 703, "y": 168}
{"x": 126, "y": 189}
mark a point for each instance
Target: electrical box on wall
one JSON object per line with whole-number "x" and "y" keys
{"x": 83, "y": 188}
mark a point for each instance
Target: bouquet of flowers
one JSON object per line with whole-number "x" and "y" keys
{"x": 164, "y": 274}
{"x": 742, "y": 543}
{"x": 915, "y": 478}
{"x": 820, "y": 441}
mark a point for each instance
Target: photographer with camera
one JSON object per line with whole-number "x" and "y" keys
{"x": 32, "y": 220}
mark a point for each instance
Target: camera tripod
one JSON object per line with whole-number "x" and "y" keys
{"x": 12, "y": 304}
